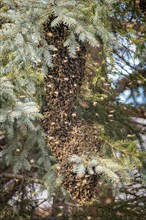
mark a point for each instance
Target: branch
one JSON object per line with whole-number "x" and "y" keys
{"x": 21, "y": 177}
{"x": 124, "y": 60}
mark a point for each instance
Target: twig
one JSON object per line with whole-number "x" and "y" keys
{"x": 21, "y": 177}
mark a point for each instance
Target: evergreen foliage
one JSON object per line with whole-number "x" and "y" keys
{"x": 26, "y": 60}
{"x": 20, "y": 120}
{"x": 27, "y": 27}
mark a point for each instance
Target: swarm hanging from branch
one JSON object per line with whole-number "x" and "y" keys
{"x": 67, "y": 134}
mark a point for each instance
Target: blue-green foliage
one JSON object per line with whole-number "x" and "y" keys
{"x": 24, "y": 36}
{"x": 23, "y": 45}
{"x": 20, "y": 119}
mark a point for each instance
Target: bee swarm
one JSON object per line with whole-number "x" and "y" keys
{"x": 67, "y": 134}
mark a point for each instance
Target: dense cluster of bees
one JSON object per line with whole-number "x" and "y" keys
{"x": 67, "y": 134}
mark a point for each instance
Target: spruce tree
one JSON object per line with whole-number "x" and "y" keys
{"x": 60, "y": 116}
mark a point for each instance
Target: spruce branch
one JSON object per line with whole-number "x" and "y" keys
{"x": 21, "y": 177}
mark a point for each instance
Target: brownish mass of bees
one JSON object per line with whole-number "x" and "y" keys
{"x": 68, "y": 134}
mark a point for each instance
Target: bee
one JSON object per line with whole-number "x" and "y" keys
{"x": 67, "y": 134}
